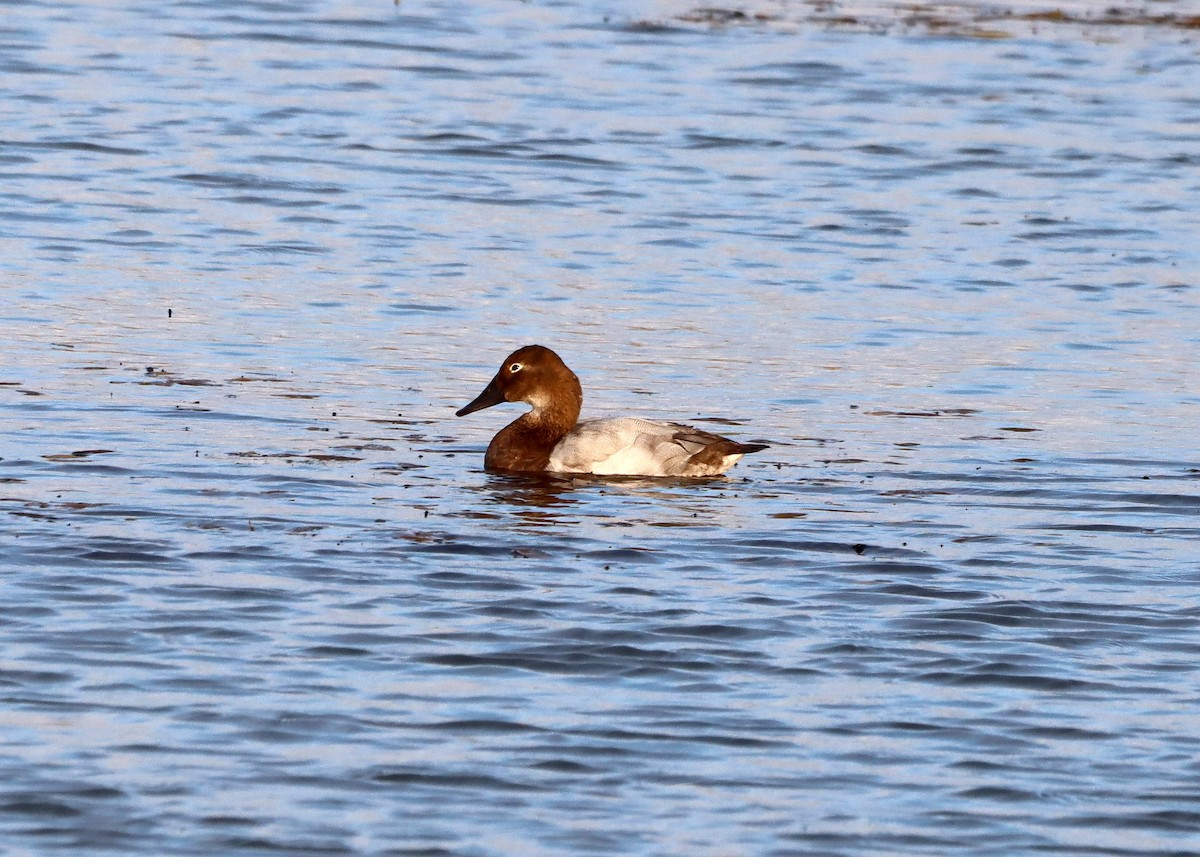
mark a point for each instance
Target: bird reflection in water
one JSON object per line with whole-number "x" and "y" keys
{"x": 547, "y": 499}
{"x": 536, "y": 499}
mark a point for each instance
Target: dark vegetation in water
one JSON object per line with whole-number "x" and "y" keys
{"x": 952, "y": 19}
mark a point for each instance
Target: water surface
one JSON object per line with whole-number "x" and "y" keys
{"x": 257, "y": 595}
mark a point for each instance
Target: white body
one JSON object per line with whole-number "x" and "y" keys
{"x": 628, "y": 446}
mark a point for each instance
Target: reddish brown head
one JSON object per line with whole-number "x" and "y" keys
{"x": 536, "y": 375}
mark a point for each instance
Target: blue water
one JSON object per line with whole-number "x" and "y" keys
{"x": 258, "y": 596}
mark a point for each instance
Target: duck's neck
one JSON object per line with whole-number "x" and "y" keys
{"x": 557, "y": 416}
{"x": 526, "y": 443}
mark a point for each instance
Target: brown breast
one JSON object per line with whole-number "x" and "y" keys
{"x": 520, "y": 446}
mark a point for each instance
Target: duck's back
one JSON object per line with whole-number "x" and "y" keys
{"x": 628, "y": 446}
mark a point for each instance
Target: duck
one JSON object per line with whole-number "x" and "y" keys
{"x": 550, "y": 438}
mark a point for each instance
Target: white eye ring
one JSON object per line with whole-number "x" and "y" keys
{"x": 515, "y": 368}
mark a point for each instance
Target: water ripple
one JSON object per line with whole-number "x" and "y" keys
{"x": 257, "y": 595}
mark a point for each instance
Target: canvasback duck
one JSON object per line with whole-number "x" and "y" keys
{"x": 551, "y": 439}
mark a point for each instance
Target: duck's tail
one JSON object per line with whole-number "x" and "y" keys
{"x": 716, "y": 458}
{"x": 747, "y": 448}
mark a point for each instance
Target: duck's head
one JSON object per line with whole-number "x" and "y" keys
{"x": 532, "y": 374}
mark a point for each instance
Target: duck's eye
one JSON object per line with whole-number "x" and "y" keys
{"x": 515, "y": 368}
